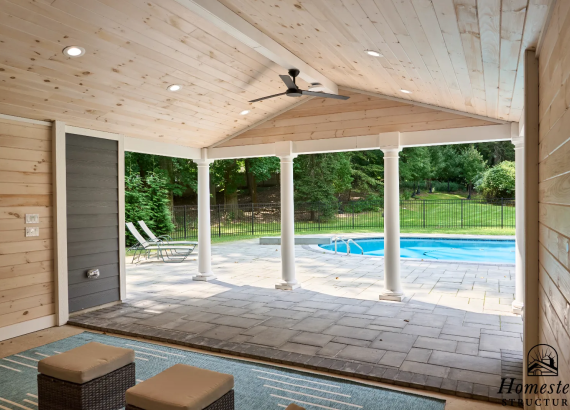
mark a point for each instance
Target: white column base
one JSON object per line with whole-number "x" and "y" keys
{"x": 204, "y": 277}
{"x": 517, "y": 307}
{"x": 287, "y": 286}
{"x": 393, "y": 296}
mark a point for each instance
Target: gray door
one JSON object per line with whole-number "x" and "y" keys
{"x": 92, "y": 220}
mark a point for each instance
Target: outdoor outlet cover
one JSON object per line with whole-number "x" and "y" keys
{"x": 32, "y": 218}
{"x": 32, "y": 231}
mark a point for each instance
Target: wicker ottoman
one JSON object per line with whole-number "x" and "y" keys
{"x": 183, "y": 387}
{"x": 293, "y": 406}
{"x": 90, "y": 377}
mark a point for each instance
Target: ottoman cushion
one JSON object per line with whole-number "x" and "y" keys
{"x": 85, "y": 363}
{"x": 180, "y": 387}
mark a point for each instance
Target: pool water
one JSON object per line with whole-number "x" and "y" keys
{"x": 472, "y": 250}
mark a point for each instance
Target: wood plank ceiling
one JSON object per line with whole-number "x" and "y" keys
{"x": 459, "y": 54}
{"x": 134, "y": 50}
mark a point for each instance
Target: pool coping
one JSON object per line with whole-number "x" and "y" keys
{"x": 316, "y": 248}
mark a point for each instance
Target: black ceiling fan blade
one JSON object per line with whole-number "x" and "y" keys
{"x": 288, "y": 81}
{"x": 325, "y": 95}
{"x": 265, "y": 98}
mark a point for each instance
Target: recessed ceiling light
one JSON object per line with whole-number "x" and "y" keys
{"x": 74, "y": 51}
{"x": 174, "y": 87}
{"x": 244, "y": 112}
{"x": 373, "y": 53}
{"x": 406, "y": 91}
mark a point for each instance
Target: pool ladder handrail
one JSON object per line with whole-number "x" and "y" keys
{"x": 347, "y": 243}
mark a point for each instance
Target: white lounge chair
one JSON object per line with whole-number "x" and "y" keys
{"x": 168, "y": 252}
{"x": 163, "y": 238}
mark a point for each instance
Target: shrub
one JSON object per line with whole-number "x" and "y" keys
{"x": 406, "y": 193}
{"x": 498, "y": 182}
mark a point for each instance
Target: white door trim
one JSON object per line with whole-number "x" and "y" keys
{"x": 121, "y": 184}
{"x": 59, "y": 179}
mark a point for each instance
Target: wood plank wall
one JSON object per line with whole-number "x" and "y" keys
{"x": 554, "y": 191}
{"x": 26, "y": 264}
{"x": 322, "y": 118}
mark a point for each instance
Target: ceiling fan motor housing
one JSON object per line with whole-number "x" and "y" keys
{"x": 292, "y": 92}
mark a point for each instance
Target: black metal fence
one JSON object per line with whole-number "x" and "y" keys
{"x": 261, "y": 219}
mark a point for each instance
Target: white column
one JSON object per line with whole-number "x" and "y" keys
{"x": 392, "y": 286}
{"x": 204, "y": 230}
{"x": 289, "y": 281}
{"x": 518, "y": 303}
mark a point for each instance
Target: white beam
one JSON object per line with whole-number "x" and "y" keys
{"x": 228, "y": 21}
{"x": 367, "y": 142}
{"x": 161, "y": 148}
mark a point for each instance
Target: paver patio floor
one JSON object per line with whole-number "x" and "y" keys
{"x": 454, "y": 331}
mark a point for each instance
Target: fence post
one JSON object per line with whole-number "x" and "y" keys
{"x": 502, "y": 208}
{"x": 252, "y": 219}
{"x": 185, "y": 235}
{"x": 461, "y": 212}
{"x": 424, "y": 206}
{"x": 319, "y": 215}
{"x": 219, "y": 222}
{"x": 353, "y": 217}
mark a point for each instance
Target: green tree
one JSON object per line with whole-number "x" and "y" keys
{"x": 319, "y": 178}
{"x": 473, "y": 165}
{"x": 227, "y": 175}
{"x": 148, "y": 200}
{"x": 450, "y": 165}
{"x": 496, "y": 152}
{"x": 137, "y": 206}
{"x": 367, "y": 173}
{"x": 159, "y": 203}
{"x": 498, "y": 182}
{"x": 415, "y": 165}
{"x": 259, "y": 170}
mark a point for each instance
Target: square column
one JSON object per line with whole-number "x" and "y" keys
{"x": 289, "y": 280}
{"x": 204, "y": 230}
{"x": 392, "y": 284}
{"x": 518, "y": 303}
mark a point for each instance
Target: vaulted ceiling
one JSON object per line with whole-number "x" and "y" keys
{"x": 459, "y": 54}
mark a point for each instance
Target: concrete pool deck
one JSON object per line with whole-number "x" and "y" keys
{"x": 454, "y": 332}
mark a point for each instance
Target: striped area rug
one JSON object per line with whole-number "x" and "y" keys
{"x": 257, "y": 386}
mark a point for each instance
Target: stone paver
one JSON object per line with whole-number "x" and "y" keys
{"x": 449, "y": 333}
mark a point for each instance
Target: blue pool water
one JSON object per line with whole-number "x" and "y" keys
{"x": 472, "y": 250}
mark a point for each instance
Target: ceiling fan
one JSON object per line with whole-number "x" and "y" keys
{"x": 294, "y": 91}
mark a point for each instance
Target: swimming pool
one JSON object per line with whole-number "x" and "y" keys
{"x": 472, "y": 250}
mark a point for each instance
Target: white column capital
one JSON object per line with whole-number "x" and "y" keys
{"x": 287, "y": 158}
{"x": 203, "y": 162}
{"x": 391, "y": 152}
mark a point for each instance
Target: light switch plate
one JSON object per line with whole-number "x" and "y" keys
{"x": 32, "y": 218}
{"x": 32, "y": 231}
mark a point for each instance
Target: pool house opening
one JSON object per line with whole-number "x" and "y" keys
{"x": 360, "y": 294}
